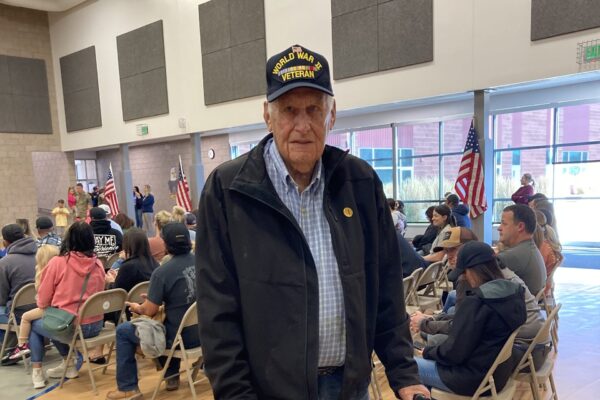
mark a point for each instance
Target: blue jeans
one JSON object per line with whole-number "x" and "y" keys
{"x": 3, "y": 320}
{"x": 38, "y": 333}
{"x": 138, "y": 217}
{"x": 450, "y": 303}
{"x": 330, "y": 387}
{"x": 429, "y": 374}
{"x": 127, "y": 341}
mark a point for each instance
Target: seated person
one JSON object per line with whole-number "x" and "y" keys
{"x": 108, "y": 240}
{"x": 484, "y": 320}
{"x": 422, "y": 243}
{"x": 443, "y": 220}
{"x": 411, "y": 260}
{"x": 173, "y": 284}
{"x": 517, "y": 227}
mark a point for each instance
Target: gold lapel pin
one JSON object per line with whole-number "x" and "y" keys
{"x": 348, "y": 212}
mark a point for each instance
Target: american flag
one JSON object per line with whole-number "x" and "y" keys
{"x": 469, "y": 184}
{"x": 110, "y": 192}
{"x": 183, "y": 190}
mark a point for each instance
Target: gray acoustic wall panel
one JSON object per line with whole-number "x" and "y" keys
{"x": 340, "y": 7}
{"x": 24, "y": 99}
{"x": 232, "y": 35}
{"x": 355, "y": 43}
{"x": 142, "y": 69}
{"x": 405, "y": 33}
{"x": 377, "y": 35}
{"x": 556, "y": 17}
{"x": 79, "y": 76}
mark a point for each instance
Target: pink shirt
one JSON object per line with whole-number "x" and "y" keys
{"x": 62, "y": 282}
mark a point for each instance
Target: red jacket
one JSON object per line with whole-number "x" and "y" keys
{"x": 62, "y": 281}
{"x": 521, "y": 196}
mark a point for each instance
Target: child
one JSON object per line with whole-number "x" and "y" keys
{"x": 60, "y": 213}
{"x": 42, "y": 257}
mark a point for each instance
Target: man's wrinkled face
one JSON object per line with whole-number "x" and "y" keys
{"x": 300, "y": 121}
{"x": 452, "y": 252}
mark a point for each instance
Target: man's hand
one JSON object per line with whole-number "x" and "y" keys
{"x": 415, "y": 321}
{"x": 408, "y": 392}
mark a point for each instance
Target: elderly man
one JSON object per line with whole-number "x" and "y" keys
{"x": 109, "y": 216}
{"x": 521, "y": 255}
{"x": 300, "y": 278}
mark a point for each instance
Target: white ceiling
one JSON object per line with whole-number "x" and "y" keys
{"x": 44, "y": 5}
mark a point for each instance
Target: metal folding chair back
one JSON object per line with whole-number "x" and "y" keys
{"x": 535, "y": 377}
{"x": 178, "y": 350}
{"x": 135, "y": 294}
{"x": 108, "y": 301}
{"x": 488, "y": 383}
{"x": 24, "y": 297}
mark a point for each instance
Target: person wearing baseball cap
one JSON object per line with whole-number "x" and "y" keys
{"x": 108, "y": 240}
{"x": 485, "y": 318}
{"x": 300, "y": 227}
{"x": 45, "y": 230}
{"x": 109, "y": 216}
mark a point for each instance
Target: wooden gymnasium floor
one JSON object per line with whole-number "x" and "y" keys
{"x": 578, "y": 359}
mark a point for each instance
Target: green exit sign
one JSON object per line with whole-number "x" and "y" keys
{"x": 592, "y": 53}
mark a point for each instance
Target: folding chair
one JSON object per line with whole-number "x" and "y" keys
{"x": 442, "y": 282}
{"x": 412, "y": 297}
{"x": 428, "y": 297}
{"x": 111, "y": 260}
{"x": 488, "y": 383}
{"x": 178, "y": 350}
{"x": 545, "y": 372}
{"x": 24, "y": 297}
{"x": 548, "y": 307}
{"x": 135, "y": 295}
{"x": 108, "y": 301}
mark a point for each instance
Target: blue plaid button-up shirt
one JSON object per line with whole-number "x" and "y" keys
{"x": 51, "y": 238}
{"x": 307, "y": 208}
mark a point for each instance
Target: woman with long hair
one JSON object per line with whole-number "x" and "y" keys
{"x": 61, "y": 286}
{"x": 138, "y": 264}
{"x": 483, "y": 321}
{"x": 550, "y": 248}
{"x": 443, "y": 220}
{"x": 423, "y": 242}
{"x": 521, "y": 196}
{"x": 138, "y": 198}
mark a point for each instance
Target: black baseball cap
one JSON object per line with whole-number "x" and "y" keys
{"x": 12, "y": 232}
{"x": 297, "y": 67}
{"x": 472, "y": 254}
{"x": 177, "y": 238}
{"x": 43, "y": 223}
{"x": 96, "y": 213}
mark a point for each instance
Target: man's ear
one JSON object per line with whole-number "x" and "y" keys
{"x": 267, "y": 116}
{"x": 521, "y": 227}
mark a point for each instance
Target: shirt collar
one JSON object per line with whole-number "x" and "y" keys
{"x": 284, "y": 174}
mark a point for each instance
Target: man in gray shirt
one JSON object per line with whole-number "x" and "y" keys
{"x": 521, "y": 254}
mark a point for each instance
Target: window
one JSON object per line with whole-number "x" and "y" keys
{"x": 242, "y": 148}
{"x": 85, "y": 173}
{"x": 562, "y": 157}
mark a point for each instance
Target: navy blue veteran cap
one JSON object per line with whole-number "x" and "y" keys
{"x": 294, "y": 68}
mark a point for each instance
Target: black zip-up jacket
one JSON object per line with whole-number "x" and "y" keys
{"x": 258, "y": 301}
{"x": 483, "y": 321}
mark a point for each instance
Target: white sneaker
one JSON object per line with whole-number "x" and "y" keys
{"x": 57, "y": 372}
{"x": 38, "y": 378}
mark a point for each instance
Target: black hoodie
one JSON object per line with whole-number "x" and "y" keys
{"x": 483, "y": 322}
{"x": 108, "y": 241}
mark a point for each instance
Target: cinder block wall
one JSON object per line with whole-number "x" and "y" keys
{"x": 151, "y": 164}
{"x": 24, "y": 33}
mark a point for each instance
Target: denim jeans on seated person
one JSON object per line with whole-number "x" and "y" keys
{"x": 429, "y": 374}
{"x": 330, "y": 387}
{"x": 38, "y": 333}
{"x": 127, "y": 342}
{"x": 3, "y": 320}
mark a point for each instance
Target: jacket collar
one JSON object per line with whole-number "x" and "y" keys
{"x": 253, "y": 179}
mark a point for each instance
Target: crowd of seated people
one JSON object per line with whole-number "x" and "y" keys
{"x": 68, "y": 269}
